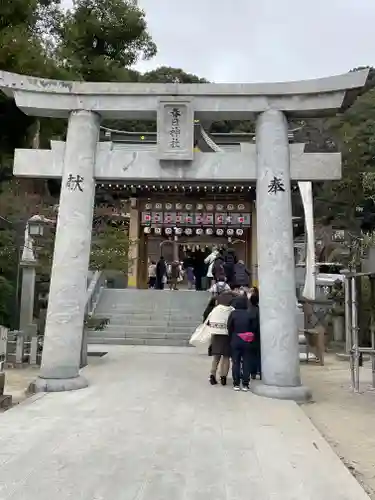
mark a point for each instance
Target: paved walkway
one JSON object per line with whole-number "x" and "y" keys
{"x": 151, "y": 428}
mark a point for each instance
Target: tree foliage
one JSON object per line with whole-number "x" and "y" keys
{"x": 353, "y": 134}
{"x": 110, "y": 248}
{"x": 101, "y": 39}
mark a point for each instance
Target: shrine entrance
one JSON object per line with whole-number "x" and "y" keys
{"x": 187, "y": 250}
{"x": 187, "y": 227}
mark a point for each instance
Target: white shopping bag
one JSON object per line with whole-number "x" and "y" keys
{"x": 201, "y": 336}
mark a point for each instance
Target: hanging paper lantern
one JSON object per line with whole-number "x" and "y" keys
{"x": 230, "y": 232}
{"x": 241, "y": 207}
{"x": 209, "y": 231}
{"x": 219, "y": 232}
{"x": 188, "y": 231}
{"x": 178, "y": 230}
{"x": 230, "y": 208}
{"x": 197, "y": 247}
{"x": 199, "y": 231}
{"x": 199, "y": 207}
{"x": 168, "y": 230}
{"x": 158, "y": 206}
{"x": 239, "y": 232}
{"x": 157, "y": 230}
{"x": 147, "y": 230}
{"x": 148, "y": 206}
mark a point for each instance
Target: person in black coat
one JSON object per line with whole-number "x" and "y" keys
{"x": 161, "y": 273}
{"x": 256, "y": 365}
{"x": 210, "y": 307}
{"x": 241, "y": 274}
{"x": 230, "y": 260}
{"x": 243, "y": 330}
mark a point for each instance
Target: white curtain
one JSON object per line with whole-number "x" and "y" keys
{"x": 305, "y": 189}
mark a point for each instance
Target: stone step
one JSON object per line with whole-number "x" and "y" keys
{"x": 143, "y": 332}
{"x": 138, "y": 341}
{"x": 117, "y": 307}
{"x": 150, "y": 321}
{"x": 142, "y": 313}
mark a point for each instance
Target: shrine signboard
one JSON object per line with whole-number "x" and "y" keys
{"x": 175, "y": 129}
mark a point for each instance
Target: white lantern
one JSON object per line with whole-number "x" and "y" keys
{"x": 219, "y": 232}
{"x": 147, "y": 230}
{"x": 157, "y": 230}
{"x": 199, "y": 231}
{"x": 209, "y": 231}
{"x": 239, "y": 232}
{"x": 230, "y": 232}
{"x": 188, "y": 231}
{"x": 178, "y": 230}
{"x": 168, "y": 230}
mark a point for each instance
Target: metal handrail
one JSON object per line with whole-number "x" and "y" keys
{"x": 94, "y": 291}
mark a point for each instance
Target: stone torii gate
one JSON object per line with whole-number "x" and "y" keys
{"x": 83, "y": 160}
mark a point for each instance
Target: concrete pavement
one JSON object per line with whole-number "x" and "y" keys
{"x": 150, "y": 427}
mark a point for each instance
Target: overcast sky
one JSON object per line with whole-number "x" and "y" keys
{"x": 261, "y": 40}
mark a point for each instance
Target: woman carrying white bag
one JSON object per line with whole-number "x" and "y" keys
{"x": 214, "y": 331}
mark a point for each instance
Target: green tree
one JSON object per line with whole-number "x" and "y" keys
{"x": 166, "y": 74}
{"x": 163, "y": 74}
{"x": 110, "y": 249}
{"x": 354, "y": 134}
{"x": 100, "y": 39}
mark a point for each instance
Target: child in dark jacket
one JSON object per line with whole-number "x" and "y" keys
{"x": 243, "y": 329}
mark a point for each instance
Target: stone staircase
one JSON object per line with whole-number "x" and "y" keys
{"x": 148, "y": 317}
{"x": 155, "y": 318}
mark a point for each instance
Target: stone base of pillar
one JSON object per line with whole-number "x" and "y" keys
{"x": 58, "y": 384}
{"x": 300, "y": 393}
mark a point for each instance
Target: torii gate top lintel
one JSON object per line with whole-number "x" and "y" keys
{"x": 56, "y": 98}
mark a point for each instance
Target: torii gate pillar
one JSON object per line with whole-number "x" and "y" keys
{"x": 276, "y": 272}
{"x": 68, "y": 288}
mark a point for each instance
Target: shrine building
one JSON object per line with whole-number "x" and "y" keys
{"x": 178, "y": 220}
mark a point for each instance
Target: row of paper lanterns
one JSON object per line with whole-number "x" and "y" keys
{"x": 178, "y": 231}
